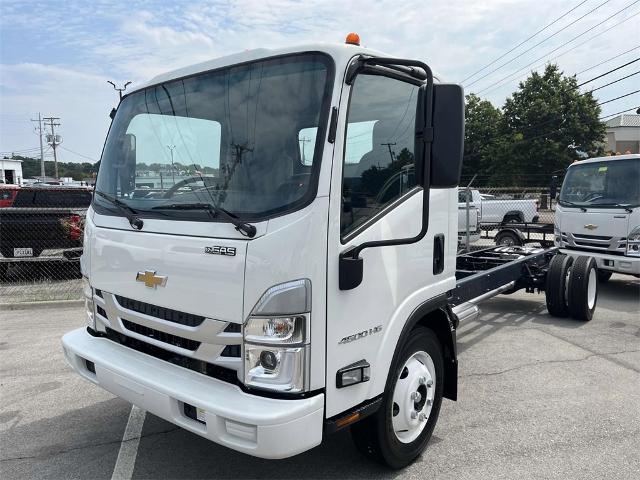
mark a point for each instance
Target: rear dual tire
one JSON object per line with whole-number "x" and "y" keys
{"x": 572, "y": 287}
{"x": 583, "y": 288}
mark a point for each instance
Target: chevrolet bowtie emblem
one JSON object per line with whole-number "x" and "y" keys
{"x": 590, "y": 226}
{"x": 150, "y": 279}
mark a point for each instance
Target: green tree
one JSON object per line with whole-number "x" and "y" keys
{"x": 548, "y": 124}
{"x": 483, "y": 140}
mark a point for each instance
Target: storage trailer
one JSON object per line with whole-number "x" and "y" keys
{"x": 294, "y": 277}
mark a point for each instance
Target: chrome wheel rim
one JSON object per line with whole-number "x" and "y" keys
{"x": 413, "y": 397}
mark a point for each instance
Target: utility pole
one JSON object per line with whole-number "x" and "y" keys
{"x": 119, "y": 90}
{"x": 53, "y": 140}
{"x": 304, "y": 140}
{"x": 39, "y": 120}
{"x": 173, "y": 175}
{"x": 389, "y": 145}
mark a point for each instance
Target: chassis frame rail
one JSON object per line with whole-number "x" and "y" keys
{"x": 484, "y": 271}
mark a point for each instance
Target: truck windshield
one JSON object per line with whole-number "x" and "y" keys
{"x": 246, "y": 138}
{"x": 614, "y": 183}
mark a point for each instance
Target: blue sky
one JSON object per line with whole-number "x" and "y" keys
{"x": 56, "y": 56}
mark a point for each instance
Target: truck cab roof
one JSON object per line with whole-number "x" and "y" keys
{"x": 340, "y": 52}
{"x": 611, "y": 158}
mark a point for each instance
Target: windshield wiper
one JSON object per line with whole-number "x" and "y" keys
{"x": 245, "y": 228}
{"x": 571, "y": 204}
{"x": 626, "y": 206}
{"x": 126, "y": 210}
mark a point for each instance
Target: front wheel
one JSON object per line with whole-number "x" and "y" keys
{"x": 399, "y": 431}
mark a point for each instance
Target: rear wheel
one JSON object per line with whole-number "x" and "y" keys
{"x": 399, "y": 431}
{"x": 583, "y": 288}
{"x": 556, "y": 286}
{"x": 604, "y": 276}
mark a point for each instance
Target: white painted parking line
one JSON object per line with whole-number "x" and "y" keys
{"x": 129, "y": 446}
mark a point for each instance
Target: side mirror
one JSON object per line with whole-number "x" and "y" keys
{"x": 448, "y": 135}
{"x": 553, "y": 187}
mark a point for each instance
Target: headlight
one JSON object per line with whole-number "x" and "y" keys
{"x": 633, "y": 242}
{"x": 276, "y": 341}
{"x": 90, "y": 308}
{"x": 275, "y": 330}
{"x": 557, "y": 235}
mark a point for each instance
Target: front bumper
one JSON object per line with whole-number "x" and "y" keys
{"x": 259, "y": 426}
{"x": 611, "y": 263}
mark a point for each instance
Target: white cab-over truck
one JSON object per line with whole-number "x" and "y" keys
{"x": 252, "y": 276}
{"x": 598, "y": 213}
{"x": 497, "y": 211}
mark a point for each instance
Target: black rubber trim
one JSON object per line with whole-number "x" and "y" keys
{"x": 333, "y": 126}
{"x": 365, "y": 409}
{"x": 439, "y": 302}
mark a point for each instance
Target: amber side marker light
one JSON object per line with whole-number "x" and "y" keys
{"x": 352, "y": 39}
{"x": 348, "y": 420}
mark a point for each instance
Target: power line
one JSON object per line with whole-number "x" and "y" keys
{"x": 500, "y": 82}
{"x": 620, "y": 112}
{"x": 524, "y": 41}
{"x": 615, "y": 81}
{"x": 618, "y": 98}
{"x": 541, "y": 42}
{"x": 79, "y": 154}
{"x": 607, "y": 73}
{"x": 608, "y": 60}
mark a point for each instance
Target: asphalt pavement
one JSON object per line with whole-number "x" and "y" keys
{"x": 539, "y": 397}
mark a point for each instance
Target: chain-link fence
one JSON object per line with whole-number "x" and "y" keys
{"x": 505, "y": 215}
{"x": 41, "y": 232}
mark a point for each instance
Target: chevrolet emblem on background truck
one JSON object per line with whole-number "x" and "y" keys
{"x": 590, "y": 226}
{"x": 150, "y": 279}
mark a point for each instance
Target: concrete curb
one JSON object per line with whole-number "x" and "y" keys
{"x": 38, "y": 305}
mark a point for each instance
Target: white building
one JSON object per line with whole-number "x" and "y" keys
{"x": 623, "y": 133}
{"x": 11, "y": 171}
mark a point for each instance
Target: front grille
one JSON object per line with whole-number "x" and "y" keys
{"x": 214, "y": 371}
{"x": 231, "y": 351}
{"x": 101, "y": 312}
{"x": 595, "y": 250}
{"x": 163, "y": 313}
{"x": 163, "y": 337}
{"x": 233, "y": 328}
{"x": 591, "y": 237}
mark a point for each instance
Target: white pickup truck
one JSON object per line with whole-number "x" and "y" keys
{"x": 501, "y": 210}
{"x": 474, "y": 224}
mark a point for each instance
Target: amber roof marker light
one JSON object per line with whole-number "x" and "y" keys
{"x": 352, "y": 39}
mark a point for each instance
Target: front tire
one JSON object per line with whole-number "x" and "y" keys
{"x": 400, "y": 430}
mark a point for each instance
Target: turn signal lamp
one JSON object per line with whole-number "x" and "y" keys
{"x": 352, "y": 39}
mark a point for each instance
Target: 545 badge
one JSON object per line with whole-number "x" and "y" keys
{"x": 218, "y": 250}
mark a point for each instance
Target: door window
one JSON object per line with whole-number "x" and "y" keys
{"x": 379, "y": 161}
